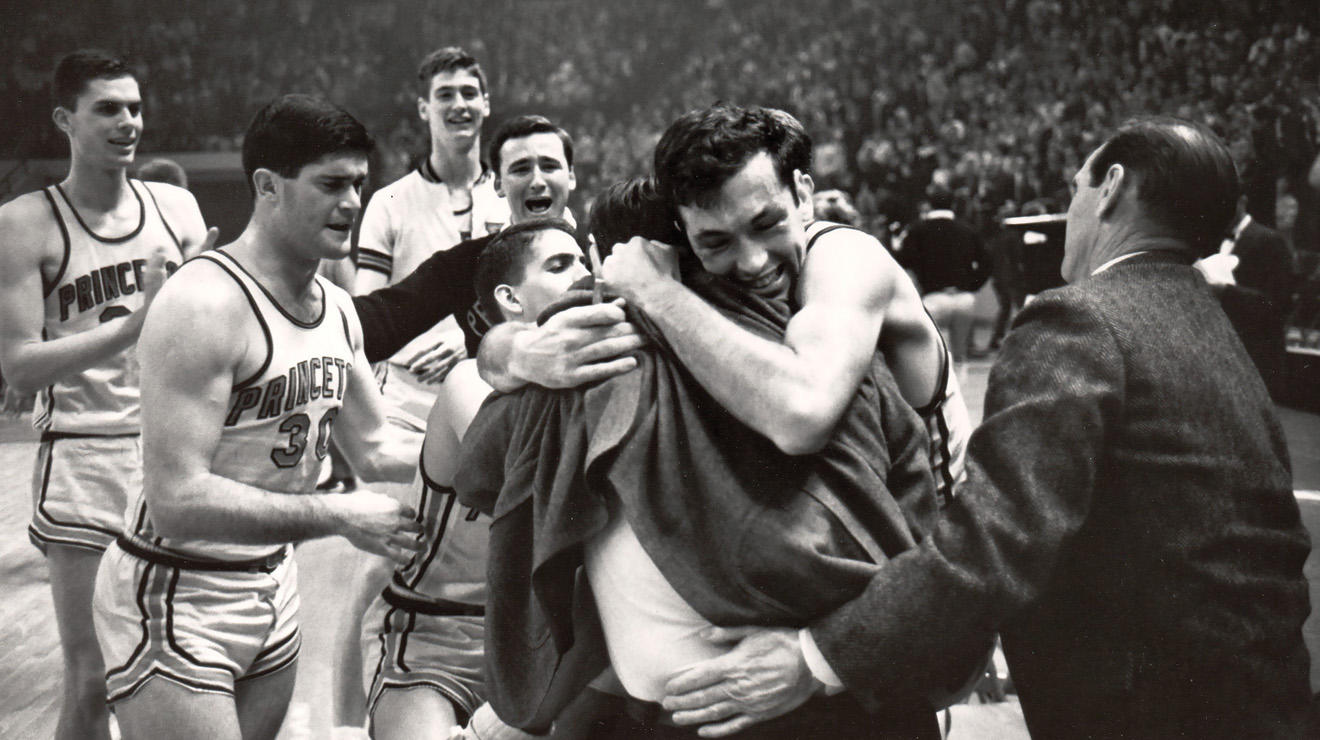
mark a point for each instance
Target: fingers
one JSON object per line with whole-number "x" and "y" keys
{"x": 735, "y": 725}
{"x": 600, "y": 314}
{"x": 600, "y": 371}
{"x": 609, "y": 348}
{"x": 699, "y": 701}
{"x": 212, "y": 236}
{"x": 705, "y": 714}
{"x": 728, "y": 634}
{"x": 696, "y": 677}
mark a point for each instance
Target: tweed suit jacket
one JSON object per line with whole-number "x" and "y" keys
{"x": 1128, "y": 525}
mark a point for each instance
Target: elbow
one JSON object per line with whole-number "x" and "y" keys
{"x": 803, "y": 431}
{"x": 170, "y": 519}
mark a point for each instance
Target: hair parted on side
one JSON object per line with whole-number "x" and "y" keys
{"x": 1184, "y": 175}
{"x": 701, "y": 150}
{"x": 447, "y": 59}
{"x": 296, "y": 130}
{"x": 504, "y": 260}
{"x": 76, "y": 69}
{"x": 520, "y": 127}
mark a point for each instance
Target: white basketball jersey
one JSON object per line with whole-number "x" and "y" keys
{"x": 100, "y": 280}
{"x": 453, "y": 565}
{"x": 277, "y": 430}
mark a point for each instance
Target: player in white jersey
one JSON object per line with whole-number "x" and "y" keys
{"x": 249, "y": 361}
{"x": 425, "y": 631}
{"x": 81, "y": 261}
{"x": 449, "y": 198}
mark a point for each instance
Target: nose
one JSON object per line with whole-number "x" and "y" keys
{"x": 752, "y": 259}
{"x": 538, "y": 179}
{"x": 578, "y": 271}
{"x": 352, "y": 200}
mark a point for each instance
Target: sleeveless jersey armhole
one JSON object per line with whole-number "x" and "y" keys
{"x": 256, "y": 311}
{"x": 49, "y": 287}
{"x": 159, "y": 213}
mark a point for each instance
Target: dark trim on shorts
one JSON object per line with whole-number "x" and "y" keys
{"x": 48, "y": 288}
{"x": 159, "y": 672}
{"x": 169, "y": 628}
{"x": 161, "y": 556}
{"x": 288, "y": 661}
{"x": 48, "y": 440}
{"x": 49, "y": 436}
{"x": 433, "y": 607}
{"x": 140, "y": 600}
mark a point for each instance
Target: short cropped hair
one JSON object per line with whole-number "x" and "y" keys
{"x": 163, "y": 170}
{"x": 78, "y": 68}
{"x": 448, "y": 59}
{"x": 701, "y": 150}
{"x": 294, "y": 131}
{"x": 520, "y": 127}
{"x": 1185, "y": 178}
{"x": 633, "y": 207}
{"x": 504, "y": 260}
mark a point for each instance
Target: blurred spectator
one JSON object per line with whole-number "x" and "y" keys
{"x": 163, "y": 170}
{"x": 834, "y": 205}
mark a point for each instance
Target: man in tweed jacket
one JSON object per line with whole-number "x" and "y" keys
{"x": 1128, "y": 523}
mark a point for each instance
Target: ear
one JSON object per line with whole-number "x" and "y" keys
{"x": 485, "y": 104}
{"x": 499, "y": 185}
{"x": 572, "y": 179}
{"x": 804, "y": 188}
{"x": 508, "y": 300}
{"x": 1112, "y": 190}
{"x": 265, "y": 183}
{"x": 421, "y": 108}
{"x": 61, "y": 118}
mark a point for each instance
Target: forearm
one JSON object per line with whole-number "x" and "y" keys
{"x": 34, "y": 364}
{"x": 213, "y": 507}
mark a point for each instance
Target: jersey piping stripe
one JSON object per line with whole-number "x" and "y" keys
{"x": 160, "y": 214}
{"x": 343, "y": 319}
{"x": 265, "y": 329}
{"x": 292, "y": 319}
{"x": 371, "y": 259}
{"x": 825, "y": 230}
{"x": 64, "y": 233}
{"x": 434, "y": 549}
{"x": 142, "y": 219}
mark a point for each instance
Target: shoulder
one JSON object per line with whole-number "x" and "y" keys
{"x": 203, "y": 284}
{"x": 173, "y": 200}
{"x": 203, "y": 308}
{"x": 847, "y": 255}
{"x": 27, "y": 224}
{"x": 342, "y": 307}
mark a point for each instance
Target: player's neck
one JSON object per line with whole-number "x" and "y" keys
{"x": 96, "y": 189}
{"x": 456, "y": 167}
{"x": 287, "y": 274}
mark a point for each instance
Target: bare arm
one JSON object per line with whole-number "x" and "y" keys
{"x": 360, "y": 430}
{"x": 576, "y": 346}
{"x": 794, "y": 391}
{"x": 28, "y": 362}
{"x": 190, "y": 361}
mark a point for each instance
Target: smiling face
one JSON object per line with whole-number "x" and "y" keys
{"x": 318, "y": 207}
{"x": 455, "y": 107}
{"x": 106, "y": 123}
{"x": 754, "y": 232}
{"x": 535, "y": 177}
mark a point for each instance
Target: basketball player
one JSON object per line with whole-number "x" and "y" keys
{"x": 425, "y": 633}
{"x": 80, "y": 263}
{"x": 448, "y": 199}
{"x": 247, "y": 363}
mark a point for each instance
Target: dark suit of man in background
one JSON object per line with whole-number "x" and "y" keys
{"x": 1128, "y": 523}
{"x": 1253, "y": 275}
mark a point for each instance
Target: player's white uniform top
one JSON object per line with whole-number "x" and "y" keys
{"x": 277, "y": 430}
{"x": 412, "y": 218}
{"x": 452, "y": 568}
{"x": 100, "y": 279}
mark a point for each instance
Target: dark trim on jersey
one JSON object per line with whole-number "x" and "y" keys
{"x": 429, "y": 174}
{"x": 829, "y": 226}
{"x": 374, "y": 259}
{"x": 343, "y": 319}
{"x": 442, "y": 524}
{"x": 292, "y": 319}
{"x": 427, "y": 480}
{"x": 49, "y": 436}
{"x": 48, "y": 412}
{"x": 160, "y": 214}
{"x": 265, "y": 328}
{"x": 142, "y": 218}
{"x": 943, "y": 466}
{"x": 50, "y": 287}
{"x": 431, "y": 607}
{"x": 41, "y": 500}
{"x": 162, "y": 556}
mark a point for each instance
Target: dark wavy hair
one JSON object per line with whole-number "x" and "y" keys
{"x": 293, "y": 131}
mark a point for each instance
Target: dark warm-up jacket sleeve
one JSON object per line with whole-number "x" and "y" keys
{"x": 1031, "y": 471}
{"x": 392, "y": 316}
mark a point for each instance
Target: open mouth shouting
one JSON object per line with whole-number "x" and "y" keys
{"x": 538, "y": 205}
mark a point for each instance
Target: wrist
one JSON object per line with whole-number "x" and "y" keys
{"x": 653, "y": 295}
